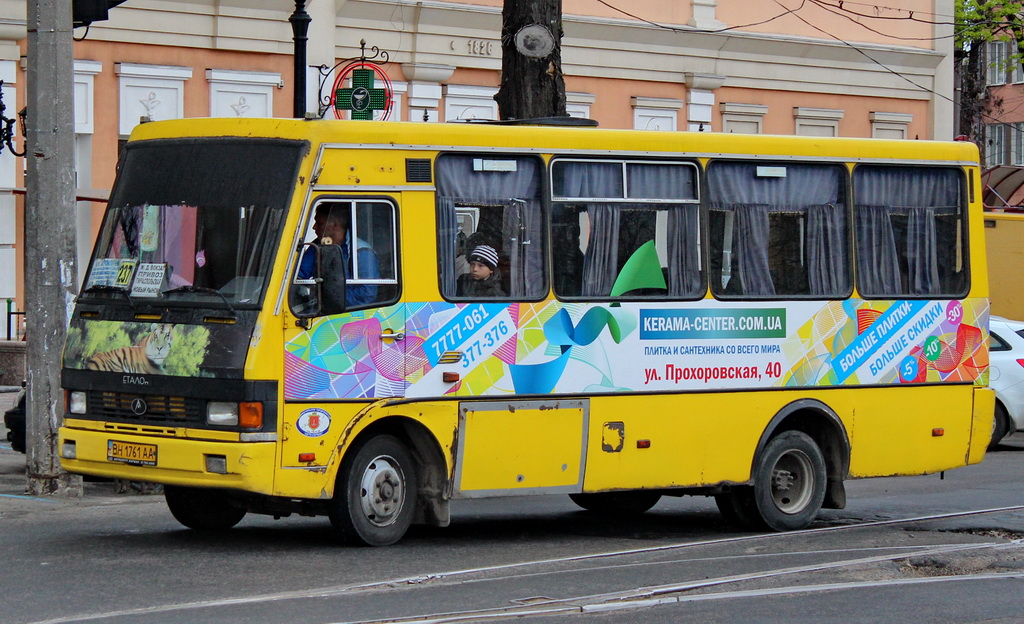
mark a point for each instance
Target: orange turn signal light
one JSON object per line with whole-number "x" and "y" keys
{"x": 938, "y": 432}
{"x": 250, "y": 415}
{"x": 449, "y": 377}
{"x": 642, "y": 444}
{"x": 307, "y": 457}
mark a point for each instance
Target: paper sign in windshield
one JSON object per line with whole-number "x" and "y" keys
{"x": 112, "y": 272}
{"x": 149, "y": 279}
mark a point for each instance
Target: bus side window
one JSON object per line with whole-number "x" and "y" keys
{"x": 491, "y": 205}
{"x": 627, "y": 229}
{"x": 778, "y": 230}
{"x": 910, "y": 231}
{"x": 358, "y": 240}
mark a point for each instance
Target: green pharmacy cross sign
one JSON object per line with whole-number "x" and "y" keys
{"x": 362, "y": 98}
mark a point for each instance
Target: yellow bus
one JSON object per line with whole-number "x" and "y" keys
{"x": 368, "y": 320}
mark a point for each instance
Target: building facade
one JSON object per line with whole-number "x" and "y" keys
{"x": 821, "y": 68}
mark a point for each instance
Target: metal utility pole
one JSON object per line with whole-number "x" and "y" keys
{"x": 50, "y": 271}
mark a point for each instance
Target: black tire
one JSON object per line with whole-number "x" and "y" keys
{"x": 617, "y": 503}
{"x": 202, "y": 510}
{"x": 375, "y": 495}
{"x": 1000, "y": 426}
{"x": 789, "y": 482}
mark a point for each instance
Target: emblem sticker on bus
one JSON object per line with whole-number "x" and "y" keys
{"x": 313, "y": 422}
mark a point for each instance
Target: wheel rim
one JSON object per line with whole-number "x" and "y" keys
{"x": 382, "y": 491}
{"x": 791, "y": 482}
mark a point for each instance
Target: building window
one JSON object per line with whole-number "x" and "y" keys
{"x": 578, "y": 104}
{"x": 656, "y": 113}
{"x": 462, "y": 102}
{"x": 889, "y": 125}
{"x": 995, "y": 144}
{"x": 153, "y": 92}
{"x": 742, "y": 118}
{"x": 995, "y": 60}
{"x": 242, "y": 93}
{"x": 820, "y": 122}
{"x": 1016, "y": 131}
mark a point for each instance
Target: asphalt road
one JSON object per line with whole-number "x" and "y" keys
{"x": 116, "y": 558}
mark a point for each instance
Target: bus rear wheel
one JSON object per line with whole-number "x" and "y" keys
{"x": 789, "y": 482}
{"x": 617, "y": 503}
{"x": 202, "y": 510}
{"x": 375, "y": 495}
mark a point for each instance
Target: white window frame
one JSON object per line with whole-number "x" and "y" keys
{"x": 807, "y": 118}
{"x": 242, "y": 93}
{"x": 153, "y": 91}
{"x": 656, "y": 113}
{"x": 466, "y": 102}
{"x": 884, "y": 124}
{"x": 735, "y": 113}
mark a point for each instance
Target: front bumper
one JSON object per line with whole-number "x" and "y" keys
{"x": 247, "y": 466}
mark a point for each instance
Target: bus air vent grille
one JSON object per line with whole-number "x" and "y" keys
{"x": 417, "y": 170}
{"x": 124, "y": 407}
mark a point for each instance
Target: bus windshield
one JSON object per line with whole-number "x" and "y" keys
{"x": 194, "y": 222}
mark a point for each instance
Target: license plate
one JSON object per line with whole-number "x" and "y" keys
{"x": 131, "y": 453}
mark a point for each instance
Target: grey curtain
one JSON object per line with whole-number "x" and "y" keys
{"x": 752, "y": 249}
{"x": 601, "y": 262}
{"x": 878, "y": 269}
{"x": 826, "y": 245}
{"x": 684, "y": 276}
{"x": 447, "y": 236}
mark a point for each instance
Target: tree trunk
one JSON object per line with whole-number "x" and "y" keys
{"x": 531, "y": 60}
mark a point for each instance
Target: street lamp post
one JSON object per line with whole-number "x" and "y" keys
{"x": 300, "y": 27}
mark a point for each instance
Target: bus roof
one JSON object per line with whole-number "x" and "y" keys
{"x": 558, "y": 138}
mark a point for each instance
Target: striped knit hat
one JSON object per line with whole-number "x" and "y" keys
{"x": 484, "y": 254}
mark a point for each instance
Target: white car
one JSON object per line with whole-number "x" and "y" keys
{"x": 1006, "y": 376}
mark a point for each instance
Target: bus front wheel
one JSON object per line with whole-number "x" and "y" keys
{"x": 789, "y": 482}
{"x": 375, "y": 495}
{"x": 202, "y": 510}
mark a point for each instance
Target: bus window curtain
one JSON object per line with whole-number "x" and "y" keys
{"x": 447, "y": 236}
{"x": 601, "y": 261}
{"x": 922, "y": 252}
{"x": 877, "y": 265}
{"x": 826, "y": 250}
{"x": 684, "y": 279}
{"x": 751, "y": 243}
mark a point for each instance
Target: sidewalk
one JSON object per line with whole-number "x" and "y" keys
{"x": 13, "y": 485}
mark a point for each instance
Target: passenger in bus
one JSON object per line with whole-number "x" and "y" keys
{"x": 484, "y": 278}
{"x": 331, "y": 225}
{"x": 473, "y": 241}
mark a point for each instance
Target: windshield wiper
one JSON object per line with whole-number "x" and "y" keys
{"x": 105, "y": 288}
{"x": 189, "y": 288}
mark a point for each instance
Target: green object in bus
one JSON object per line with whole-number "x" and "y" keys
{"x": 642, "y": 270}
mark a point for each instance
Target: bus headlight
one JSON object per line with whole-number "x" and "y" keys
{"x": 76, "y": 402}
{"x": 222, "y": 413}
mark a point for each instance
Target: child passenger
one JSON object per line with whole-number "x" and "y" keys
{"x": 484, "y": 278}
